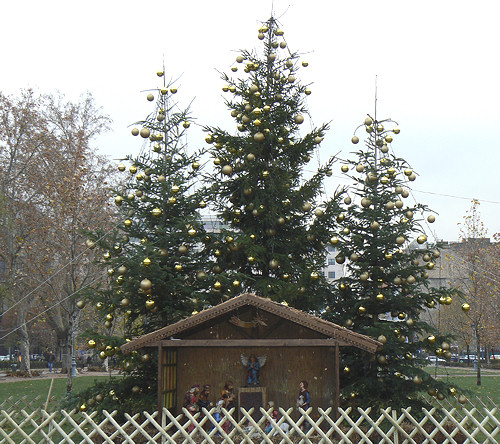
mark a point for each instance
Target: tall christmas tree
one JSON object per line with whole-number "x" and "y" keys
{"x": 277, "y": 227}
{"x": 386, "y": 285}
{"x": 153, "y": 257}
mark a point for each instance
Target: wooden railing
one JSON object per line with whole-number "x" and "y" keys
{"x": 437, "y": 425}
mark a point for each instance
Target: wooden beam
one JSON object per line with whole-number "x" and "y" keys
{"x": 160, "y": 380}
{"x": 249, "y": 343}
{"x": 336, "y": 403}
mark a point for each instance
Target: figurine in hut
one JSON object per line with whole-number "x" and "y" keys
{"x": 228, "y": 395}
{"x": 304, "y": 398}
{"x": 191, "y": 402}
{"x": 253, "y": 366}
{"x": 203, "y": 400}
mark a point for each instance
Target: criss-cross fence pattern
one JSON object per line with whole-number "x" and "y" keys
{"x": 12, "y": 403}
{"x": 437, "y": 425}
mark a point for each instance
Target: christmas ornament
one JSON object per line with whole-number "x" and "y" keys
{"x": 344, "y": 168}
{"x": 299, "y": 119}
{"x": 431, "y": 218}
{"x": 145, "y": 133}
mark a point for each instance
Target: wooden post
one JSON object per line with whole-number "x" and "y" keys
{"x": 336, "y": 402}
{"x": 160, "y": 380}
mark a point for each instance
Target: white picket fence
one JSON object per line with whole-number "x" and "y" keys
{"x": 437, "y": 425}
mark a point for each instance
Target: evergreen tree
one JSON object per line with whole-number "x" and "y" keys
{"x": 152, "y": 258}
{"x": 276, "y": 226}
{"x": 386, "y": 284}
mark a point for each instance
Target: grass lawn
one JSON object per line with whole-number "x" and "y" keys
{"x": 18, "y": 388}
{"x": 465, "y": 378}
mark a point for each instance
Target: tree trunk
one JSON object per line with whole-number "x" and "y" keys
{"x": 478, "y": 354}
{"x": 468, "y": 355}
{"x": 24, "y": 341}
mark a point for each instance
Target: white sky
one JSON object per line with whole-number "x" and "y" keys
{"x": 437, "y": 64}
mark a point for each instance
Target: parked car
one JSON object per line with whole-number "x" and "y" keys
{"x": 433, "y": 359}
{"x": 4, "y": 358}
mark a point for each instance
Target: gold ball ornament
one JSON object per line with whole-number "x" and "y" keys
{"x": 192, "y": 232}
{"x": 400, "y": 240}
{"x": 146, "y": 284}
{"x": 417, "y": 380}
{"x": 360, "y": 168}
{"x": 382, "y": 339}
{"x": 431, "y": 218}
{"x": 334, "y": 240}
{"x": 355, "y": 140}
{"x": 399, "y": 204}
{"x": 306, "y": 206}
{"x": 465, "y": 307}
{"x": 344, "y": 168}
{"x": 421, "y": 239}
{"x": 99, "y": 306}
{"x": 91, "y": 343}
{"x": 80, "y": 304}
{"x": 318, "y": 212}
{"x": 368, "y": 121}
{"x": 448, "y": 300}
{"x": 273, "y": 263}
{"x": 380, "y": 297}
{"x": 365, "y": 202}
{"x": 374, "y": 225}
{"x": 217, "y": 285}
{"x": 462, "y": 399}
{"x": 227, "y": 170}
{"x": 314, "y": 275}
{"x": 347, "y": 369}
{"x": 145, "y": 133}
{"x": 156, "y": 212}
{"x": 389, "y": 205}
{"x": 298, "y": 119}
{"x": 146, "y": 262}
{"x": 361, "y": 309}
{"x": 430, "y": 265}
{"x": 150, "y": 304}
{"x": 125, "y": 302}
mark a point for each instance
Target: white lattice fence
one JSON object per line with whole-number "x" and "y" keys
{"x": 13, "y": 403}
{"x": 438, "y": 425}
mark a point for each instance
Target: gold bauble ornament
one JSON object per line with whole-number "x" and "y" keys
{"x": 146, "y": 262}
{"x": 421, "y": 239}
{"x": 431, "y": 339}
{"x": 399, "y": 204}
{"x": 227, "y": 170}
{"x": 400, "y": 240}
{"x": 146, "y": 285}
{"x": 344, "y": 168}
{"x": 388, "y": 256}
{"x": 156, "y": 212}
{"x": 99, "y": 306}
{"x": 374, "y": 225}
{"x": 127, "y": 223}
{"x": 150, "y": 304}
{"x": 362, "y": 309}
{"x": 265, "y": 174}
{"x": 192, "y": 232}
{"x": 145, "y": 133}
{"x": 178, "y": 267}
{"x": 431, "y": 304}
{"x": 368, "y": 121}
{"x": 298, "y": 119}
{"x": 334, "y": 240}
{"x": 382, "y": 359}
{"x": 80, "y": 304}
{"x": 135, "y": 132}
{"x": 306, "y": 206}
{"x": 448, "y": 300}
{"x": 365, "y": 202}
{"x": 389, "y": 205}
{"x": 108, "y": 324}
{"x": 273, "y": 263}
{"x": 125, "y": 302}
{"x": 360, "y": 168}
{"x": 339, "y": 259}
{"x": 217, "y": 285}
{"x": 314, "y": 275}
{"x": 364, "y": 276}
{"x": 347, "y": 369}
{"x": 380, "y": 297}
{"x": 465, "y": 307}
{"x": 318, "y": 212}
{"x": 431, "y": 218}
{"x": 91, "y": 343}
{"x": 462, "y": 399}
{"x": 355, "y": 140}
{"x": 430, "y": 265}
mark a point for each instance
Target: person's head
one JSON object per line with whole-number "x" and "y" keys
{"x": 195, "y": 388}
{"x": 228, "y": 385}
{"x": 206, "y": 389}
{"x": 303, "y": 385}
{"x": 253, "y": 358}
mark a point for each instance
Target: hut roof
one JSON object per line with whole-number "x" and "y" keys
{"x": 329, "y": 329}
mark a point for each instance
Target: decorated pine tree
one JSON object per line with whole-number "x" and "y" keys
{"x": 386, "y": 286}
{"x": 277, "y": 221}
{"x": 152, "y": 258}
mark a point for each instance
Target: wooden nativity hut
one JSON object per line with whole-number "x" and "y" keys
{"x": 211, "y": 346}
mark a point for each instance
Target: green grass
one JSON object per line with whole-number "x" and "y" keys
{"x": 465, "y": 378}
{"x": 40, "y": 387}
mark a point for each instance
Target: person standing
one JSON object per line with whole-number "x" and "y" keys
{"x": 304, "y": 402}
{"x": 50, "y": 361}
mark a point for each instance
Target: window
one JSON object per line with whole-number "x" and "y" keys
{"x": 331, "y": 275}
{"x": 331, "y": 261}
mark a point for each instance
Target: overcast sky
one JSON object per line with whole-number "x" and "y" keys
{"x": 437, "y": 65}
